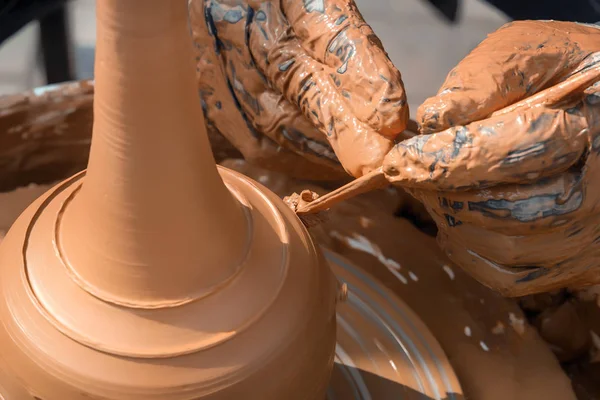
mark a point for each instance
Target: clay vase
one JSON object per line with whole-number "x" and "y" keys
{"x": 155, "y": 274}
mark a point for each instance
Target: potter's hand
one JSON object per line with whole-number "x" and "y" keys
{"x": 305, "y": 73}
{"x": 535, "y": 227}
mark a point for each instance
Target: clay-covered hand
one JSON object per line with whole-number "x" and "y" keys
{"x": 307, "y": 75}
{"x": 515, "y": 195}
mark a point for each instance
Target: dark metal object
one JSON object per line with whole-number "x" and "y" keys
{"x": 449, "y": 9}
{"x": 54, "y": 38}
{"x": 55, "y": 46}
{"x": 587, "y": 11}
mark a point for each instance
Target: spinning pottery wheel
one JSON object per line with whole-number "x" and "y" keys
{"x": 384, "y": 351}
{"x": 155, "y": 275}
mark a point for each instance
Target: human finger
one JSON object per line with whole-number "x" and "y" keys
{"x": 559, "y": 202}
{"x": 517, "y": 147}
{"x": 220, "y": 110}
{"x": 514, "y": 249}
{"x": 309, "y": 85}
{"x": 225, "y": 116}
{"x": 269, "y": 113}
{"x": 544, "y": 203}
{"x": 335, "y": 34}
{"x": 512, "y": 63}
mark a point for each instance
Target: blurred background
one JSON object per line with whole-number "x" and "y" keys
{"x": 421, "y": 39}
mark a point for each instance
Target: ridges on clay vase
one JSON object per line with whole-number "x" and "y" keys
{"x": 383, "y": 350}
{"x": 155, "y": 274}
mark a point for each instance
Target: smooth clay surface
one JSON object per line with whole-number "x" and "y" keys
{"x": 13, "y": 203}
{"x": 383, "y": 349}
{"x": 153, "y": 274}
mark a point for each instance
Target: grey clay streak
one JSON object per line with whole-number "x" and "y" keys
{"x": 314, "y": 5}
{"x": 215, "y": 12}
{"x": 527, "y": 210}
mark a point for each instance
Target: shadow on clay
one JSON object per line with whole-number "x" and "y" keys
{"x": 416, "y": 213}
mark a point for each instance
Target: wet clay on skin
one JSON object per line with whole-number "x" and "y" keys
{"x": 155, "y": 275}
{"x": 545, "y": 49}
{"x": 265, "y": 74}
{"x": 544, "y": 234}
{"x": 476, "y": 156}
{"x": 396, "y": 162}
{"x": 513, "y": 194}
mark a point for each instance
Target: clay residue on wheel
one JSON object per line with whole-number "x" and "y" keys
{"x": 44, "y": 133}
{"x": 371, "y": 86}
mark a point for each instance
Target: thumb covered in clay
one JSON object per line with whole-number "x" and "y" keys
{"x": 518, "y": 60}
{"x": 507, "y": 114}
{"x": 526, "y": 144}
{"x": 529, "y": 237}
